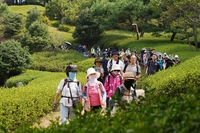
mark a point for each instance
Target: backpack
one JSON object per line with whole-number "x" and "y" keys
{"x": 66, "y": 80}
{"x": 109, "y": 79}
{"x": 137, "y": 67}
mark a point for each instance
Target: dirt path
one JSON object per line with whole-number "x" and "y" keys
{"x": 46, "y": 120}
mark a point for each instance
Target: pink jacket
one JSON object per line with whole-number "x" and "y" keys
{"x": 111, "y": 83}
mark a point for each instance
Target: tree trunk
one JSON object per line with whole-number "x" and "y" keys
{"x": 137, "y": 31}
{"x": 173, "y": 36}
{"x": 195, "y": 35}
{"x": 188, "y": 39}
{"x": 142, "y": 33}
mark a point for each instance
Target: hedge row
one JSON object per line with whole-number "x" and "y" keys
{"x": 28, "y": 103}
{"x": 176, "y": 80}
{"x": 55, "y": 61}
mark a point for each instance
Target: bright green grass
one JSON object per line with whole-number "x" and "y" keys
{"x": 25, "y": 8}
{"x": 67, "y": 36}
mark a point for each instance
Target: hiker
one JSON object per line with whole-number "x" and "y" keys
{"x": 70, "y": 91}
{"x": 93, "y": 92}
{"x": 104, "y": 65}
{"x": 133, "y": 67}
{"x": 152, "y": 65}
{"x": 115, "y": 60}
{"x": 113, "y": 80}
{"x": 160, "y": 62}
{"x": 93, "y": 52}
{"x": 125, "y": 92}
{"x": 169, "y": 61}
{"x": 98, "y": 68}
{"x": 176, "y": 60}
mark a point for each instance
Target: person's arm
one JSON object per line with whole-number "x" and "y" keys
{"x": 56, "y": 98}
{"x": 84, "y": 92}
{"x": 146, "y": 70}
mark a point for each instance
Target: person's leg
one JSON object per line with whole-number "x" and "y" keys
{"x": 95, "y": 108}
{"x": 107, "y": 102}
{"x": 71, "y": 113}
{"x": 64, "y": 112}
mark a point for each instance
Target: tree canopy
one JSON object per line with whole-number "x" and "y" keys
{"x": 13, "y": 59}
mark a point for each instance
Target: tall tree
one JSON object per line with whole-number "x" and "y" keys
{"x": 33, "y": 15}
{"x": 13, "y": 23}
{"x": 55, "y": 9}
{"x": 180, "y": 15}
{"x": 87, "y": 28}
{"x": 13, "y": 60}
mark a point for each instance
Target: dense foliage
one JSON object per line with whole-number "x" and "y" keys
{"x": 13, "y": 60}
{"x": 56, "y": 61}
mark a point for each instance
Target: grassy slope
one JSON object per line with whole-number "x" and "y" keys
{"x": 23, "y": 9}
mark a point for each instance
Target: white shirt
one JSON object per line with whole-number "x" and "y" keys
{"x": 121, "y": 64}
{"x": 65, "y": 91}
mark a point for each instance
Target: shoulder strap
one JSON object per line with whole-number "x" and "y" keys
{"x": 125, "y": 67}
{"x": 137, "y": 67}
{"x": 117, "y": 61}
{"x": 65, "y": 82}
{"x": 109, "y": 81}
{"x": 71, "y": 92}
{"x": 110, "y": 67}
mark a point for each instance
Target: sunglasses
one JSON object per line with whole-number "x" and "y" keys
{"x": 116, "y": 70}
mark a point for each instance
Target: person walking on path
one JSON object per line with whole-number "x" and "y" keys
{"x": 124, "y": 93}
{"x": 115, "y": 60}
{"x": 98, "y": 67}
{"x": 152, "y": 65}
{"x": 93, "y": 92}
{"x": 70, "y": 91}
{"x": 113, "y": 80}
{"x": 104, "y": 65}
{"x": 133, "y": 67}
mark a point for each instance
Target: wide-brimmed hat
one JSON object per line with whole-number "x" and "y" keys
{"x": 91, "y": 71}
{"x": 98, "y": 60}
{"x": 128, "y": 75}
{"x": 115, "y": 67}
{"x": 176, "y": 56}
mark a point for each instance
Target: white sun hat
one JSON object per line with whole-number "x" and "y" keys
{"x": 115, "y": 67}
{"x": 176, "y": 56}
{"x": 91, "y": 71}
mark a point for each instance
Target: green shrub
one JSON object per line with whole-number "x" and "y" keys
{"x": 25, "y": 78}
{"x": 63, "y": 27}
{"x": 46, "y": 20}
{"x": 175, "y": 80}
{"x": 55, "y": 23}
{"x": 55, "y": 61}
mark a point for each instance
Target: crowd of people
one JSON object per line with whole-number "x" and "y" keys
{"x": 109, "y": 82}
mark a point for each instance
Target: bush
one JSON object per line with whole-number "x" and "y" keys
{"x": 63, "y": 27}
{"x": 175, "y": 80}
{"x": 46, "y": 20}
{"x": 56, "y": 61}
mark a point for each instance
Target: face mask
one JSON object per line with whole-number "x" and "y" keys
{"x": 92, "y": 80}
{"x": 128, "y": 83}
{"x": 72, "y": 75}
{"x": 115, "y": 73}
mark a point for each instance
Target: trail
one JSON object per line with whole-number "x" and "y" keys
{"x": 55, "y": 116}
{"x": 46, "y": 120}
